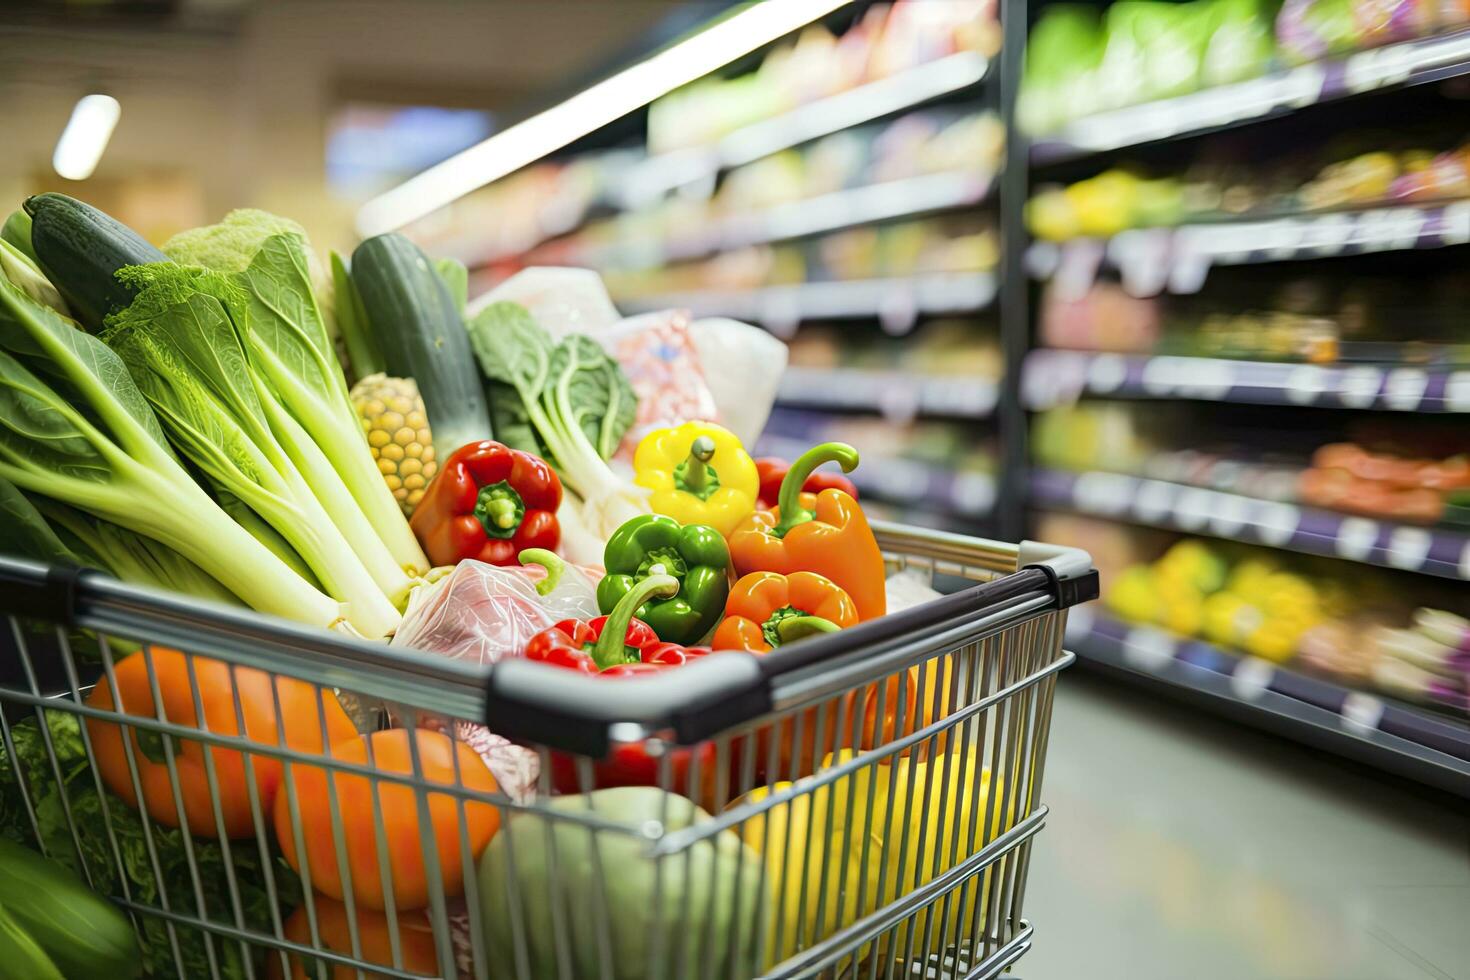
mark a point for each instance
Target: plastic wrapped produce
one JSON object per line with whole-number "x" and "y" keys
{"x": 483, "y": 613}
{"x": 1307, "y": 30}
{"x": 743, "y": 367}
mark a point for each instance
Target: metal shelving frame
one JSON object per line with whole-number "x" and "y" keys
{"x": 1404, "y": 739}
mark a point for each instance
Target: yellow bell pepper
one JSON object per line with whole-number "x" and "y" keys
{"x": 699, "y": 474}
{"x": 834, "y": 828}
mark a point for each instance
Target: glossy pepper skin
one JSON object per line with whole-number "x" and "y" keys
{"x": 490, "y": 503}
{"x": 827, "y": 534}
{"x": 772, "y": 471}
{"x": 768, "y": 610}
{"x": 696, "y": 555}
{"x": 617, "y": 645}
{"x": 699, "y": 474}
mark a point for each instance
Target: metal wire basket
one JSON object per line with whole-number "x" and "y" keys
{"x": 860, "y": 804}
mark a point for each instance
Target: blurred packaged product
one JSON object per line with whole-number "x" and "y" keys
{"x": 1120, "y": 199}
{"x": 887, "y": 40}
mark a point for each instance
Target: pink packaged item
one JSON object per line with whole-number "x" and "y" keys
{"x": 657, "y": 353}
{"x": 483, "y": 613}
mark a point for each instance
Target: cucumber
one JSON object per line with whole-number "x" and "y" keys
{"x": 417, "y": 327}
{"x": 21, "y": 955}
{"x": 80, "y": 249}
{"x": 83, "y": 934}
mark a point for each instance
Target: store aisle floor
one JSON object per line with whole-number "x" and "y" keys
{"x": 1183, "y": 847}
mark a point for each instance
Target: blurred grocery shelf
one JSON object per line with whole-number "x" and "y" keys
{"x": 906, "y": 197}
{"x": 1057, "y": 377}
{"x": 1322, "y": 712}
{"x": 1178, "y": 259}
{"x": 1276, "y": 524}
{"x": 906, "y": 482}
{"x": 1396, "y": 65}
{"x": 664, "y": 172}
{"x": 898, "y": 395}
{"x": 896, "y": 302}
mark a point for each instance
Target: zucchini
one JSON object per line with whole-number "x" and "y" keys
{"x": 419, "y": 331}
{"x": 21, "y": 955}
{"x": 80, "y": 249}
{"x": 83, "y": 934}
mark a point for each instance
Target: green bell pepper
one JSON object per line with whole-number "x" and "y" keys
{"x": 618, "y": 909}
{"x": 695, "y": 554}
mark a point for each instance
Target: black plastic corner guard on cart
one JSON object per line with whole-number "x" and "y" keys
{"x": 573, "y": 712}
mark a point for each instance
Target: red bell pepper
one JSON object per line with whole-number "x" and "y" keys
{"x": 772, "y": 470}
{"x": 617, "y": 645}
{"x": 489, "y": 502}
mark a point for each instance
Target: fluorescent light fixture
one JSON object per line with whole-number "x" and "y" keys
{"x": 587, "y": 111}
{"x": 85, "y": 136}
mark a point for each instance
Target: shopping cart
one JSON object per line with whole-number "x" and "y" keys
{"x": 874, "y": 792}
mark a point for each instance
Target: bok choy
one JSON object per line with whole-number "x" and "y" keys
{"x": 285, "y": 339}
{"x": 180, "y": 343}
{"x": 75, "y": 428}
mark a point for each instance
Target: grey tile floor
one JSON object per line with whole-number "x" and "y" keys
{"x": 1183, "y": 847}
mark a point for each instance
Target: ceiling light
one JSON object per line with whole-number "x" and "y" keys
{"x": 588, "y": 111}
{"x": 85, "y": 136}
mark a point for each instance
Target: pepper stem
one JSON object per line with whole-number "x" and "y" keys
{"x": 696, "y": 468}
{"x": 554, "y": 567}
{"x": 499, "y": 509}
{"x": 800, "y": 627}
{"x": 789, "y": 503}
{"x": 609, "y": 650}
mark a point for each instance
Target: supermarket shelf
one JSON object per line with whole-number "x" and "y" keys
{"x": 1393, "y": 736}
{"x": 898, "y": 395}
{"x": 905, "y": 482}
{"x": 1059, "y": 377}
{"x": 1398, "y": 65}
{"x": 866, "y": 103}
{"x": 896, "y": 302}
{"x": 1308, "y": 530}
{"x": 1178, "y": 259}
{"x": 907, "y": 197}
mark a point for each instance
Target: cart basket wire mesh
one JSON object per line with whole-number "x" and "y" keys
{"x": 267, "y": 800}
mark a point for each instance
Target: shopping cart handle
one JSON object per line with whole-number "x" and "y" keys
{"x": 550, "y": 706}
{"x": 1070, "y": 570}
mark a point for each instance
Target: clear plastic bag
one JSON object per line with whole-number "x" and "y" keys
{"x": 483, "y": 613}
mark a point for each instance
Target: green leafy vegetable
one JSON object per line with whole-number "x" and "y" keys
{"x": 20, "y": 269}
{"x": 17, "y": 232}
{"x": 98, "y": 818}
{"x": 84, "y": 435}
{"x": 572, "y": 394}
{"x": 456, "y": 279}
{"x": 352, "y": 321}
{"x": 24, "y": 532}
{"x": 180, "y": 344}
{"x": 284, "y": 337}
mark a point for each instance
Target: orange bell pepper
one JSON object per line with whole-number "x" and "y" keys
{"x": 827, "y": 534}
{"x": 219, "y": 687}
{"x": 766, "y": 610}
{"x": 404, "y": 839}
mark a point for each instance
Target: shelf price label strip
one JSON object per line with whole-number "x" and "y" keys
{"x": 1059, "y": 377}
{"x": 1309, "y": 530}
{"x": 1267, "y": 686}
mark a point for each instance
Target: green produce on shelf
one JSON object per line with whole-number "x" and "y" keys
{"x": 543, "y": 879}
